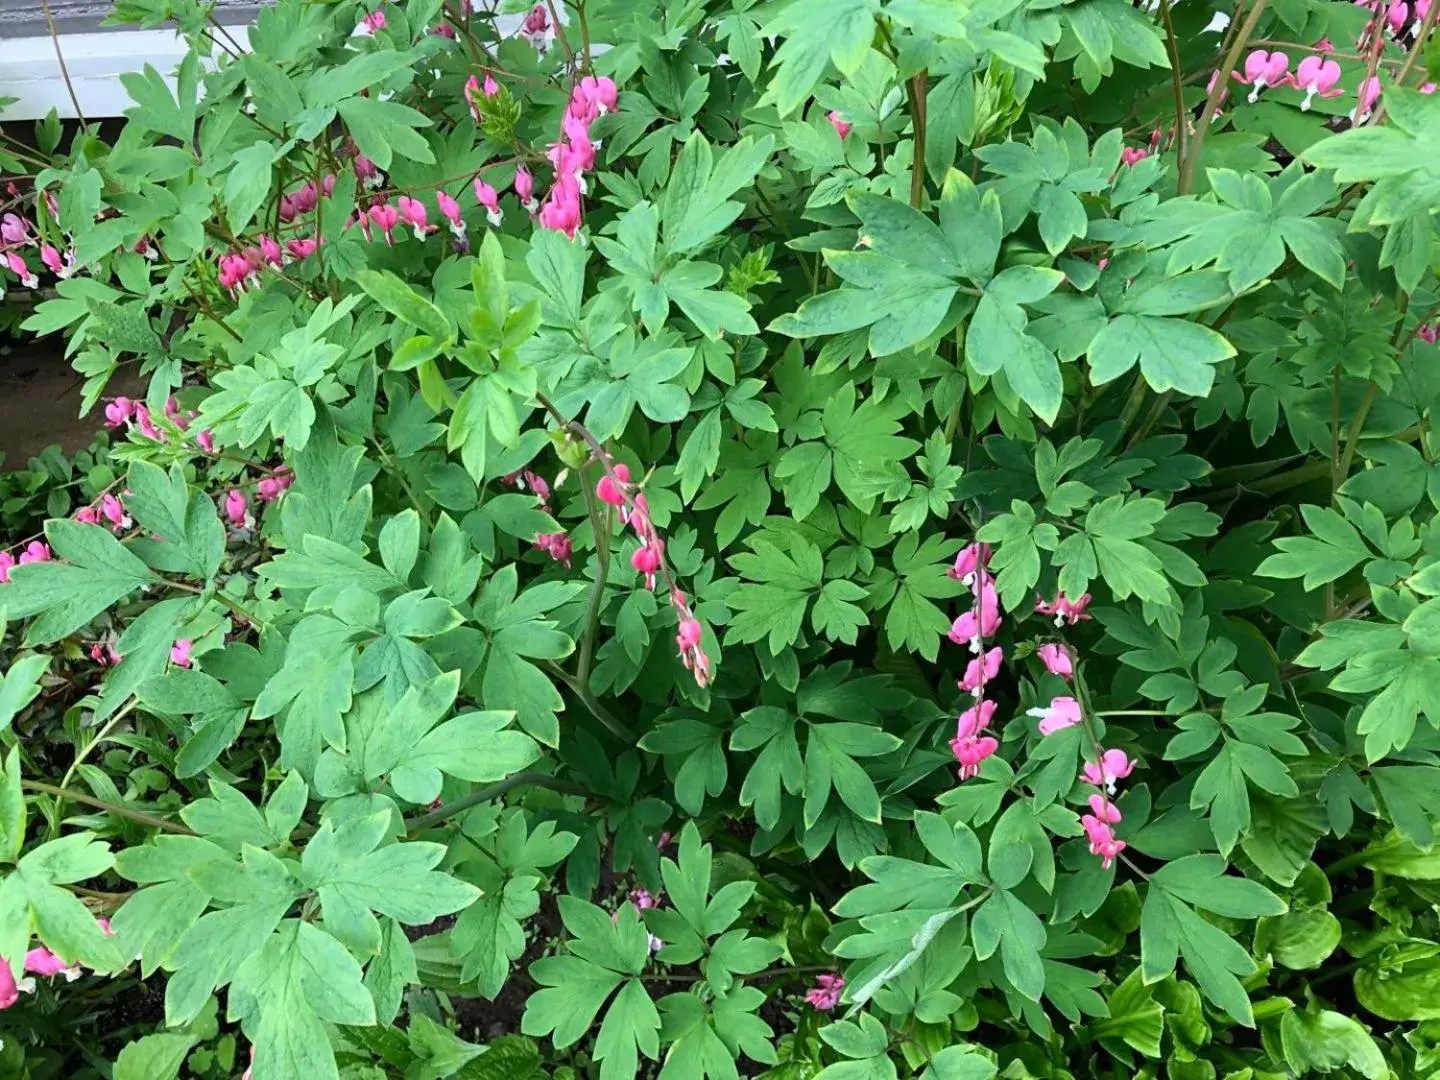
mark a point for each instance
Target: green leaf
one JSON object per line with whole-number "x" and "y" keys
{"x": 155, "y": 109}
{"x": 1322, "y": 1040}
{"x": 247, "y": 183}
{"x": 186, "y": 535}
{"x": 96, "y": 573}
{"x": 12, "y": 809}
{"x": 384, "y": 129}
{"x": 1170, "y": 927}
{"x": 21, "y": 685}
{"x": 155, "y": 1057}
{"x": 1333, "y": 551}
{"x": 296, "y": 981}
{"x": 1173, "y": 354}
{"x": 398, "y": 298}
{"x": 354, "y": 874}
{"x": 697, "y": 204}
{"x": 816, "y": 33}
{"x": 1006, "y": 923}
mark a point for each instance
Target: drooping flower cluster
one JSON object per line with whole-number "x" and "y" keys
{"x": 1099, "y": 824}
{"x": 574, "y": 155}
{"x": 825, "y": 994}
{"x": 17, "y": 233}
{"x": 558, "y": 545}
{"x": 616, "y": 489}
{"x": 971, "y": 745}
{"x": 1066, "y": 612}
{"x": 536, "y": 29}
{"x": 33, "y": 552}
{"x": 275, "y": 485}
{"x": 42, "y": 962}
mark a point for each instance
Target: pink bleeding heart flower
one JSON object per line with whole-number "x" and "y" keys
{"x": 114, "y": 512}
{"x": 1428, "y": 332}
{"x": 1102, "y": 840}
{"x": 237, "y": 509}
{"x": 611, "y": 487}
{"x": 9, "y": 988}
{"x": 595, "y": 96}
{"x": 561, "y": 211}
{"x": 687, "y": 636}
{"x": 206, "y": 439}
{"x": 35, "y": 551}
{"x": 146, "y": 425}
{"x": 14, "y": 229}
{"x": 1263, "y": 69}
{"x": 557, "y": 545}
{"x": 1113, "y": 765}
{"x": 118, "y": 412}
{"x": 1057, "y": 659}
{"x": 385, "y": 218}
{"x": 87, "y": 515}
{"x": 536, "y": 29}
{"x": 1133, "y": 155}
{"x": 1066, "y": 611}
{"x": 54, "y": 261}
{"x": 371, "y": 23}
{"x": 1397, "y": 15}
{"x": 271, "y": 252}
{"x": 487, "y": 197}
{"x": 647, "y": 561}
{"x": 971, "y": 752}
{"x": 839, "y": 124}
{"x": 367, "y": 172}
{"x": 973, "y": 721}
{"x": 450, "y": 211}
{"x": 22, "y": 271}
{"x": 301, "y": 247}
{"x": 1365, "y": 97}
{"x": 525, "y": 189}
{"x": 41, "y": 961}
{"x": 180, "y": 652}
{"x": 7, "y": 563}
{"x": 491, "y": 87}
{"x": 1317, "y": 76}
{"x": 825, "y": 994}
{"x": 971, "y": 558}
{"x": 982, "y": 620}
{"x": 1061, "y": 713}
{"x": 413, "y": 213}
{"x": 1104, "y": 810}
{"x": 981, "y": 670}
{"x": 692, "y": 655}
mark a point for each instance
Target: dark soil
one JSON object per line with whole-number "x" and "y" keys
{"x": 40, "y": 398}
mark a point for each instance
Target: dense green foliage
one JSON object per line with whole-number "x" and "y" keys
{"x": 519, "y": 635}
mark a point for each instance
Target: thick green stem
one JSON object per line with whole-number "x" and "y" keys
{"x": 493, "y": 791}
{"x": 1186, "y": 182}
{"x": 918, "y": 87}
{"x": 1181, "y": 119}
{"x": 64, "y": 795}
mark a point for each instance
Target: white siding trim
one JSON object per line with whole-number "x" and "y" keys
{"x": 30, "y": 72}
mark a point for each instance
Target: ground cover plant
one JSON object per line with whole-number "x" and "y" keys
{"x": 842, "y": 538}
